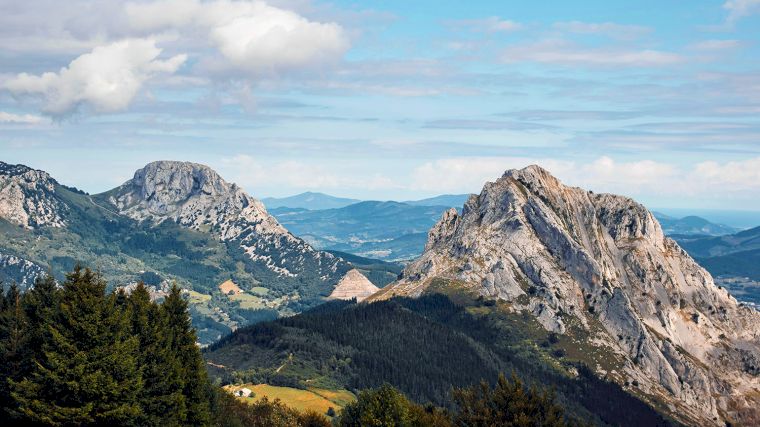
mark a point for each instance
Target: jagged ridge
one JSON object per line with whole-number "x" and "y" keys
{"x": 600, "y": 263}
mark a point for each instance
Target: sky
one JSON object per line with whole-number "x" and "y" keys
{"x": 657, "y": 100}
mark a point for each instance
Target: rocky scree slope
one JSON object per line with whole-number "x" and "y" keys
{"x": 597, "y": 266}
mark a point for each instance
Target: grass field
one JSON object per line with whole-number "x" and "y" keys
{"x": 248, "y": 301}
{"x": 314, "y": 399}
{"x": 259, "y": 291}
{"x": 197, "y": 297}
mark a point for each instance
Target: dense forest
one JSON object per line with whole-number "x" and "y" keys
{"x": 76, "y": 355}
{"x": 424, "y": 347}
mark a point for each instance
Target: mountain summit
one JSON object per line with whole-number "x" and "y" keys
{"x": 598, "y": 269}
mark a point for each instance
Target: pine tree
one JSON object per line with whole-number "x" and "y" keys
{"x": 508, "y": 404}
{"x": 87, "y": 373}
{"x": 14, "y": 347}
{"x": 183, "y": 344}
{"x": 161, "y": 398}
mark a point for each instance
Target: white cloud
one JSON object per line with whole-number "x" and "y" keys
{"x": 255, "y": 174}
{"x": 492, "y": 24}
{"x": 740, "y": 8}
{"x": 610, "y": 29}
{"x": 253, "y": 37}
{"x": 106, "y": 79}
{"x": 711, "y": 45}
{"x": 713, "y": 180}
{"x": 566, "y": 53}
{"x": 468, "y": 174}
{"x": 20, "y": 118}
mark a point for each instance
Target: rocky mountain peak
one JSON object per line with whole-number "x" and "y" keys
{"x": 166, "y": 183}
{"x": 27, "y": 197}
{"x": 598, "y": 266}
{"x": 193, "y": 195}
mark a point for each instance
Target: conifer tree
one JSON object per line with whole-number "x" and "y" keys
{"x": 14, "y": 346}
{"x": 183, "y": 344}
{"x": 87, "y": 373}
{"x": 161, "y": 398}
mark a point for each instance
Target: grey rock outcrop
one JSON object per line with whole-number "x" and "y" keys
{"x": 27, "y": 198}
{"x": 195, "y": 196}
{"x": 600, "y": 264}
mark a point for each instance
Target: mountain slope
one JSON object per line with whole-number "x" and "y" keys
{"x": 177, "y": 222}
{"x": 308, "y": 200}
{"x": 598, "y": 267}
{"x": 423, "y": 346}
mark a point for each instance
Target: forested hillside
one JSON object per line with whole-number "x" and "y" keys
{"x": 424, "y": 347}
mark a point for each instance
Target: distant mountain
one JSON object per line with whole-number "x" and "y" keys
{"x": 734, "y": 255}
{"x": 450, "y": 200}
{"x": 308, "y": 200}
{"x": 172, "y": 222}
{"x": 598, "y": 270}
{"x": 381, "y": 230}
{"x": 691, "y": 225}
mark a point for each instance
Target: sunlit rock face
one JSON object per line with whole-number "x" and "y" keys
{"x": 28, "y": 199}
{"x": 354, "y": 285}
{"x": 599, "y": 265}
{"x": 195, "y": 196}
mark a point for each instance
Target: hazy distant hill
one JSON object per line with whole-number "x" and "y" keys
{"x": 450, "y": 200}
{"x": 691, "y": 225}
{"x": 381, "y": 230}
{"x": 308, "y": 200}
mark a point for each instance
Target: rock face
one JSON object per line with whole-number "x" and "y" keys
{"x": 27, "y": 198}
{"x": 599, "y": 266}
{"x": 20, "y": 271}
{"x": 195, "y": 196}
{"x": 354, "y": 285}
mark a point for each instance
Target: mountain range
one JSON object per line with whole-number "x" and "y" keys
{"x": 577, "y": 290}
{"x": 172, "y": 222}
{"x": 397, "y": 231}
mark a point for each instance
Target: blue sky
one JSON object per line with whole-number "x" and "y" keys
{"x": 391, "y": 100}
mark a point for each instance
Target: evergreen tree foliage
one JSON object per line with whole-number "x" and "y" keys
{"x": 508, "y": 404}
{"x": 75, "y": 355}
{"x": 183, "y": 345}
{"x": 88, "y": 372}
{"x": 14, "y": 349}
{"x": 385, "y": 406}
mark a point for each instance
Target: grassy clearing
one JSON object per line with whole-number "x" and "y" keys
{"x": 315, "y": 399}
{"x": 248, "y": 301}
{"x": 197, "y": 297}
{"x": 259, "y": 291}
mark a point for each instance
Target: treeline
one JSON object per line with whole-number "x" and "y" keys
{"x": 76, "y": 355}
{"x": 508, "y": 404}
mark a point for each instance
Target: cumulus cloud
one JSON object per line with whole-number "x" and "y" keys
{"x": 105, "y": 79}
{"x": 566, "y": 53}
{"x": 252, "y": 36}
{"x": 20, "y": 118}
